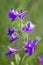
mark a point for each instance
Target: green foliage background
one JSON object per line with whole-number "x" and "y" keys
{"x": 35, "y": 14}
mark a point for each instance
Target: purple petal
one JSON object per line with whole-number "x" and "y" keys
{"x": 29, "y": 42}
{"x": 21, "y": 14}
{"x": 12, "y": 14}
{"x": 25, "y": 29}
{"x": 10, "y": 51}
{"x": 29, "y": 50}
{"x": 10, "y": 31}
{"x": 31, "y": 30}
{"x": 40, "y": 59}
{"x": 21, "y": 11}
{"x": 13, "y": 38}
{"x": 34, "y": 43}
{"x": 28, "y": 25}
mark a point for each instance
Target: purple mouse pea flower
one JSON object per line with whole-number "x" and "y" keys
{"x": 29, "y": 27}
{"x": 11, "y": 31}
{"x": 29, "y": 46}
{"x": 10, "y": 51}
{"x": 12, "y": 14}
{"x": 41, "y": 60}
{"x": 13, "y": 38}
{"x": 21, "y": 14}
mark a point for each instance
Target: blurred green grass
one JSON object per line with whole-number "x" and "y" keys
{"x": 34, "y": 14}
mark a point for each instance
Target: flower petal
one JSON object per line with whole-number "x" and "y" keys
{"x": 12, "y": 14}
{"x": 10, "y": 31}
{"x": 13, "y": 38}
{"x": 34, "y": 43}
{"x": 29, "y": 50}
{"x": 40, "y": 59}
{"x": 21, "y": 14}
{"x": 10, "y": 51}
{"x": 25, "y": 29}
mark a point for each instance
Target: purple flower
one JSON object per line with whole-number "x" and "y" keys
{"x": 29, "y": 46}
{"x": 41, "y": 60}
{"x": 10, "y": 31}
{"x": 21, "y": 14}
{"x": 13, "y": 38}
{"x": 29, "y": 27}
{"x": 13, "y": 14}
{"x": 10, "y": 51}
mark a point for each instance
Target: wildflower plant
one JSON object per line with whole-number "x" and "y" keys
{"x": 21, "y": 33}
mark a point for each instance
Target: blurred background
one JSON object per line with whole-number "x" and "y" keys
{"x": 34, "y": 14}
